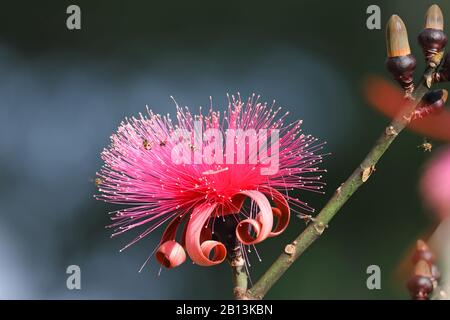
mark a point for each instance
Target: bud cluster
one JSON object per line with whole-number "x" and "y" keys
{"x": 425, "y": 277}
{"x": 401, "y": 63}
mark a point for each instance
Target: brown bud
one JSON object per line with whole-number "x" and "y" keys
{"x": 420, "y": 287}
{"x": 402, "y": 68}
{"x": 400, "y": 62}
{"x": 422, "y": 268}
{"x": 397, "y": 38}
{"x": 434, "y": 18}
{"x": 422, "y": 252}
{"x": 435, "y": 98}
{"x": 432, "y": 38}
{"x": 433, "y": 102}
{"x": 421, "y": 283}
{"x": 422, "y": 245}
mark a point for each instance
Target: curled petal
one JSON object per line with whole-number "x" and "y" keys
{"x": 200, "y": 252}
{"x": 279, "y": 225}
{"x": 281, "y": 211}
{"x": 217, "y": 249}
{"x": 243, "y": 230}
{"x": 262, "y": 225}
{"x": 205, "y": 234}
{"x": 171, "y": 229}
{"x": 170, "y": 254}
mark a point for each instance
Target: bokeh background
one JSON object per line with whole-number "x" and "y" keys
{"x": 62, "y": 93}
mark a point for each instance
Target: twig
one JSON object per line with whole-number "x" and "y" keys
{"x": 342, "y": 194}
{"x": 225, "y": 233}
{"x": 240, "y": 280}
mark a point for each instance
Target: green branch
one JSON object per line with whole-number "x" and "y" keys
{"x": 240, "y": 279}
{"x": 315, "y": 229}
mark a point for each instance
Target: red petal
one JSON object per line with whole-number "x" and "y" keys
{"x": 218, "y": 250}
{"x": 243, "y": 231}
{"x": 262, "y": 225}
{"x": 282, "y": 212}
{"x": 170, "y": 254}
{"x": 171, "y": 229}
{"x": 200, "y": 252}
{"x": 384, "y": 96}
{"x": 387, "y": 99}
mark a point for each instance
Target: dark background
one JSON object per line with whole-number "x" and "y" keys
{"x": 62, "y": 93}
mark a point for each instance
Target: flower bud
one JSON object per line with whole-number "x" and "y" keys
{"x": 432, "y": 38}
{"x": 400, "y": 62}
{"x": 422, "y": 252}
{"x": 423, "y": 268}
{"x": 432, "y": 102}
{"x": 420, "y": 285}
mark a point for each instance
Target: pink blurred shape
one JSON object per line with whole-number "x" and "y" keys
{"x": 435, "y": 183}
{"x": 389, "y": 100}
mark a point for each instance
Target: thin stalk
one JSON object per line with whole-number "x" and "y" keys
{"x": 240, "y": 278}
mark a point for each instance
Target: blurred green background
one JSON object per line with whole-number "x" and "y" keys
{"x": 62, "y": 93}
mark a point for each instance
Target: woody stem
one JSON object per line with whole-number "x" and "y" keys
{"x": 225, "y": 232}
{"x": 342, "y": 194}
{"x": 240, "y": 280}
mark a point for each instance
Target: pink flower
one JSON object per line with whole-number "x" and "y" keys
{"x": 205, "y": 167}
{"x": 435, "y": 183}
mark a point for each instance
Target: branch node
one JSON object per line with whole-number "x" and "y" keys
{"x": 367, "y": 172}
{"x": 436, "y": 60}
{"x": 251, "y": 296}
{"x": 241, "y": 294}
{"x": 339, "y": 189}
{"x": 390, "y": 131}
{"x": 289, "y": 249}
{"x": 306, "y": 217}
{"x": 237, "y": 261}
{"x": 320, "y": 227}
